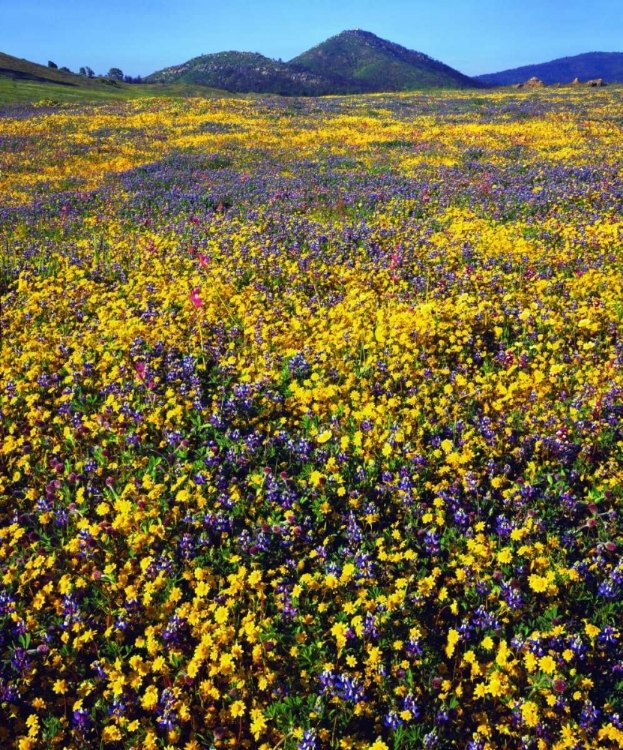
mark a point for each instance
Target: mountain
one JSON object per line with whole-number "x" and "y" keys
{"x": 606, "y": 65}
{"x": 250, "y": 72}
{"x": 379, "y": 65}
{"x": 352, "y": 62}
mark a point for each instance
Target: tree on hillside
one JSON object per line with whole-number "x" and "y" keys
{"x": 115, "y": 73}
{"x": 86, "y": 71}
{"x": 65, "y": 69}
{"x": 52, "y": 64}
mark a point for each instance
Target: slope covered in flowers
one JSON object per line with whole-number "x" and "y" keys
{"x": 312, "y": 423}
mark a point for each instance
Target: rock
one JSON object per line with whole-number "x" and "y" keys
{"x": 575, "y": 82}
{"x": 596, "y": 82}
{"x": 534, "y": 83}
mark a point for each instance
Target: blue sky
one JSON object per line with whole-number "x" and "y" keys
{"x": 141, "y": 36}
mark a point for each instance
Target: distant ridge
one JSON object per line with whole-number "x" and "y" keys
{"x": 585, "y": 67}
{"x": 352, "y": 62}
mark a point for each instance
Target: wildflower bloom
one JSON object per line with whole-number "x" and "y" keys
{"x": 383, "y": 434}
{"x": 195, "y": 298}
{"x": 530, "y": 713}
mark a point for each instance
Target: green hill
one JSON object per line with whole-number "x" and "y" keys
{"x": 24, "y": 70}
{"x": 586, "y": 67}
{"x": 379, "y": 65}
{"x": 352, "y": 62}
{"x": 25, "y": 81}
{"x": 248, "y": 72}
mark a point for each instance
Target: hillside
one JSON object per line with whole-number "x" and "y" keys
{"x": 25, "y": 81}
{"x": 379, "y": 65}
{"x": 606, "y": 65}
{"x": 352, "y": 62}
{"x": 250, "y": 72}
{"x": 24, "y": 70}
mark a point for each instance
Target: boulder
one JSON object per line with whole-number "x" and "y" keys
{"x": 534, "y": 83}
{"x": 596, "y": 82}
{"x": 575, "y": 82}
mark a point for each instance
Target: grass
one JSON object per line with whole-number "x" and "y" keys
{"x": 19, "y": 91}
{"x": 22, "y": 81}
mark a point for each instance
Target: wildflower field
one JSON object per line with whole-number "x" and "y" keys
{"x": 312, "y": 423}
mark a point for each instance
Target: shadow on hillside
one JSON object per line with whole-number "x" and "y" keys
{"x": 20, "y": 75}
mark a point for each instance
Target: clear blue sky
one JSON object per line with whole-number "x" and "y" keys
{"x": 141, "y": 36}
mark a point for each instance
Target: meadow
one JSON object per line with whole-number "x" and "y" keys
{"x": 312, "y": 422}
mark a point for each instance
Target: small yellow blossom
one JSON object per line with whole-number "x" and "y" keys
{"x": 60, "y": 687}
{"x": 530, "y": 713}
{"x": 547, "y": 664}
